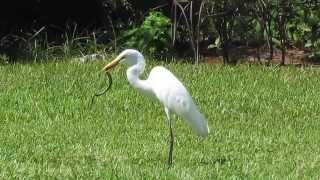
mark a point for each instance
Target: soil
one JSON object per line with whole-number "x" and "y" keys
{"x": 293, "y": 56}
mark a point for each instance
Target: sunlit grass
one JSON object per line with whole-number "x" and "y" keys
{"x": 264, "y": 123}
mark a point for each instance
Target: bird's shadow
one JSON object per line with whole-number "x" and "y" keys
{"x": 219, "y": 161}
{"x": 193, "y": 162}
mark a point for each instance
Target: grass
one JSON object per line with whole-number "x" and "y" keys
{"x": 264, "y": 124}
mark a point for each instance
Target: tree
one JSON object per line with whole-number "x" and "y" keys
{"x": 283, "y": 13}
{"x": 263, "y": 11}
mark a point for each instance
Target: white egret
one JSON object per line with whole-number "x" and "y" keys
{"x": 164, "y": 86}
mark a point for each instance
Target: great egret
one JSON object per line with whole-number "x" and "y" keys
{"x": 164, "y": 86}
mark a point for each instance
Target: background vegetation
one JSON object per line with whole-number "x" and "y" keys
{"x": 166, "y": 28}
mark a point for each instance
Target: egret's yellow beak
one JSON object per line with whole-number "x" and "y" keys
{"x": 112, "y": 64}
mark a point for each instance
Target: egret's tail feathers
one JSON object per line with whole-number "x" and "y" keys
{"x": 198, "y": 123}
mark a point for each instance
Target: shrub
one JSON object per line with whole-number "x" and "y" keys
{"x": 152, "y": 37}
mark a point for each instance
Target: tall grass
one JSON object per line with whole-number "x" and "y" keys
{"x": 43, "y": 45}
{"x": 264, "y": 124}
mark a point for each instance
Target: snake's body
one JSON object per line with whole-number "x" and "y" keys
{"x": 105, "y": 90}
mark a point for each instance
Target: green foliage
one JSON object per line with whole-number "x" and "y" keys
{"x": 264, "y": 124}
{"x": 303, "y": 30}
{"x": 4, "y": 59}
{"x": 222, "y": 24}
{"x": 152, "y": 37}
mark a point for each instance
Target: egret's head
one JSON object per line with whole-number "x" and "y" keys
{"x": 128, "y": 56}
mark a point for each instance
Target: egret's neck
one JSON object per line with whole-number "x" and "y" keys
{"x": 133, "y": 74}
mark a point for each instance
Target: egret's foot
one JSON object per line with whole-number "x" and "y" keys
{"x": 169, "y": 160}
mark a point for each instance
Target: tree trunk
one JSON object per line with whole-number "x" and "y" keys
{"x": 283, "y": 55}
{"x": 282, "y": 40}
{"x": 221, "y": 27}
{"x": 270, "y": 43}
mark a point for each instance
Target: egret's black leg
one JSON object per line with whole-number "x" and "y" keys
{"x": 171, "y": 141}
{"x": 171, "y": 138}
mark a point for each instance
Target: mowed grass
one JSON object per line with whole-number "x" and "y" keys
{"x": 264, "y": 122}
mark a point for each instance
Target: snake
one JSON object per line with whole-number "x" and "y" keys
{"x": 104, "y": 90}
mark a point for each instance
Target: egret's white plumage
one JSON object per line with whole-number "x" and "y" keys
{"x": 164, "y": 86}
{"x": 174, "y": 96}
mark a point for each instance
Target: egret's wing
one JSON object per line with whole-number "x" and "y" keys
{"x": 173, "y": 95}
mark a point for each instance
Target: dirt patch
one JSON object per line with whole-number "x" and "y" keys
{"x": 250, "y": 56}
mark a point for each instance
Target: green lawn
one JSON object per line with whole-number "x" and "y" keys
{"x": 264, "y": 122}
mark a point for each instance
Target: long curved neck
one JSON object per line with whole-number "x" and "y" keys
{"x": 133, "y": 73}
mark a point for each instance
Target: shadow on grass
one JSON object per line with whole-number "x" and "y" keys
{"x": 219, "y": 161}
